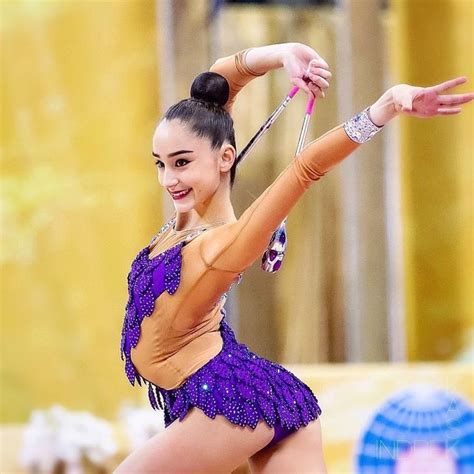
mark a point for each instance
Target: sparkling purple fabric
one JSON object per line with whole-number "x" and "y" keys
{"x": 243, "y": 387}
{"x": 236, "y": 383}
{"x": 280, "y": 433}
{"x": 147, "y": 280}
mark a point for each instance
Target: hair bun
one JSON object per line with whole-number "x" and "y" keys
{"x": 210, "y": 87}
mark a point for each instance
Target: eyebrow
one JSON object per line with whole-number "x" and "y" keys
{"x": 175, "y": 153}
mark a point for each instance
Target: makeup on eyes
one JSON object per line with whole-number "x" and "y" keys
{"x": 176, "y": 162}
{"x": 172, "y": 155}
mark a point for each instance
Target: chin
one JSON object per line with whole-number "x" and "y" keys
{"x": 181, "y": 207}
{"x": 184, "y": 206}
{"x": 189, "y": 202}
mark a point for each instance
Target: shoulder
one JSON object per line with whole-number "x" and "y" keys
{"x": 215, "y": 241}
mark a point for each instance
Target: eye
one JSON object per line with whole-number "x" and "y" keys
{"x": 182, "y": 159}
{"x": 160, "y": 164}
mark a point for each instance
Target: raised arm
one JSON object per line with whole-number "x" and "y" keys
{"x": 240, "y": 68}
{"x": 235, "y": 246}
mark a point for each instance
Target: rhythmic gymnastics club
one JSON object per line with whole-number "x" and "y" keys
{"x": 268, "y": 123}
{"x": 273, "y": 256}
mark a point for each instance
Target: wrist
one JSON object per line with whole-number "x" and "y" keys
{"x": 383, "y": 110}
{"x": 262, "y": 59}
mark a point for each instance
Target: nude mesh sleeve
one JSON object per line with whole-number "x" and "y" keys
{"x": 234, "y": 247}
{"x": 234, "y": 68}
{"x": 223, "y": 252}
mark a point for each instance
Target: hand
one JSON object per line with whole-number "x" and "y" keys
{"x": 425, "y": 102}
{"x": 306, "y": 69}
{"x": 421, "y": 102}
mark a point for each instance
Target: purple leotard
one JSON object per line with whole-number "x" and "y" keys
{"x": 236, "y": 383}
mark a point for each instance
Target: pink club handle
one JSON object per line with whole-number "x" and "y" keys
{"x": 293, "y": 92}
{"x": 310, "y": 103}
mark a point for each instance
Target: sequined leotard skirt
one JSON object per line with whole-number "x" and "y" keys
{"x": 243, "y": 387}
{"x": 236, "y": 383}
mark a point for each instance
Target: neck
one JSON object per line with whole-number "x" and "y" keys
{"x": 218, "y": 208}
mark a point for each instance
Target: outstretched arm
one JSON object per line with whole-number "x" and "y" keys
{"x": 234, "y": 247}
{"x": 305, "y": 68}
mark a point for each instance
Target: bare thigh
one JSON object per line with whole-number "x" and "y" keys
{"x": 300, "y": 452}
{"x": 197, "y": 444}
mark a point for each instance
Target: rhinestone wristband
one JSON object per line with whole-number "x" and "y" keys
{"x": 360, "y": 128}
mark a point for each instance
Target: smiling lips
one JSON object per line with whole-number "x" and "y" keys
{"x": 180, "y": 194}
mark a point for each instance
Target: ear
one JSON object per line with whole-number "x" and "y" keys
{"x": 227, "y": 154}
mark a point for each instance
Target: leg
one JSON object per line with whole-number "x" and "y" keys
{"x": 300, "y": 452}
{"x": 198, "y": 444}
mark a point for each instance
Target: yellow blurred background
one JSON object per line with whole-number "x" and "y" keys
{"x": 80, "y": 97}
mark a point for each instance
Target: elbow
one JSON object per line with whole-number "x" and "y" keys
{"x": 307, "y": 174}
{"x": 216, "y": 64}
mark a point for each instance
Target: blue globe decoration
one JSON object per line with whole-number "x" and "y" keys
{"x": 421, "y": 429}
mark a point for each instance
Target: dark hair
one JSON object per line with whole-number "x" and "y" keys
{"x": 204, "y": 112}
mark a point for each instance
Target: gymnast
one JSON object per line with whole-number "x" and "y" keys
{"x": 223, "y": 404}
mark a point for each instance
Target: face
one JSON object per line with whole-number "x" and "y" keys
{"x": 187, "y": 163}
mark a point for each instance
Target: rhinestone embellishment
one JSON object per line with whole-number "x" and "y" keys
{"x": 360, "y": 128}
{"x": 142, "y": 294}
{"x": 147, "y": 280}
{"x": 243, "y": 387}
{"x": 236, "y": 383}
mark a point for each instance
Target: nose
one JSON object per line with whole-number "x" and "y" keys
{"x": 168, "y": 178}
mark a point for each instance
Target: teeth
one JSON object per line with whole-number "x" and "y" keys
{"x": 181, "y": 193}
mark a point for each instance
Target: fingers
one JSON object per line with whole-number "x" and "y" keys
{"x": 455, "y": 99}
{"x": 318, "y": 71}
{"x": 316, "y": 90}
{"x": 314, "y": 79}
{"x": 318, "y": 62}
{"x": 315, "y": 76}
{"x": 318, "y": 67}
{"x": 321, "y": 82}
{"x": 450, "y": 111}
{"x": 449, "y": 84}
{"x": 303, "y": 86}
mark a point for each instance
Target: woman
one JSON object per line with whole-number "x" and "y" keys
{"x": 223, "y": 403}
